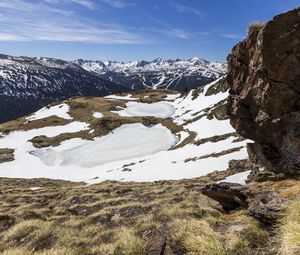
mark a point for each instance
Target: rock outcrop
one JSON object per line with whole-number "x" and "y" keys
{"x": 264, "y": 105}
{"x": 266, "y": 205}
{"x": 230, "y": 195}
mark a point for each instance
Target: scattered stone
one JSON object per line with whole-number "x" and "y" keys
{"x": 116, "y": 217}
{"x": 267, "y": 206}
{"x": 133, "y": 211}
{"x": 6, "y": 222}
{"x": 230, "y": 195}
{"x": 158, "y": 241}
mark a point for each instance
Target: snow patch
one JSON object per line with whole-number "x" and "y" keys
{"x": 127, "y": 97}
{"x": 34, "y": 188}
{"x": 172, "y": 97}
{"x": 239, "y": 178}
{"x": 97, "y": 115}
{"x": 60, "y": 110}
{"x": 18, "y": 139}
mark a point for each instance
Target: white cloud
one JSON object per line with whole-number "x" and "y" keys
{"x": 177, "y": 33}
{"x": 231, "y": 36}
{"x": 45, "y": 21}
{"x": 115, "y": 3}
{"x": 22, "y": 7}
{"x": 185, "y": 8}
{"x": 166, "y": 29}
{"x": 85, "y": 3}
{"x": 10, "y": 37}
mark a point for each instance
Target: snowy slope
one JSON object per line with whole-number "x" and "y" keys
{"x": 159, "y": 73}
{"x": 26, "y": 84}
{"x": 131, "y": 152}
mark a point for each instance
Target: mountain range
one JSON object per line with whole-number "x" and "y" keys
{"x": 26, "y": 83}
{"x": 160, "y": 73}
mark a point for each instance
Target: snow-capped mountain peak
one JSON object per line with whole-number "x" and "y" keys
{"x": 158, "y": 73}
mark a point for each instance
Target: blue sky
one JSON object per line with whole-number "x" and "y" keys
{"x": 130, "y": 29}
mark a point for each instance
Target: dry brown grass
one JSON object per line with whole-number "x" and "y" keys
{"x": 109, "y": 218}
{"x": 289, "y": 234}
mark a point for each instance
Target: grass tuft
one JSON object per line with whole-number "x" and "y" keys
{"x": 255, "y": 26}
{"x": 195, "y": 236}
{"x": 289, "y": 234}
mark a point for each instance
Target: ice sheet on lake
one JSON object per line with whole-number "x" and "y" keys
{"x": 159, "y": 109}
{"x": 128, "y": 141}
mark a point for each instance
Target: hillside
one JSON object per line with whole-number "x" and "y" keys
{"x": 26, "y": 84}
{"x": 126, "y": 137}
{"x": 154, "y": 135}
{"x": 160, "y": 73}
{"x": 151, "y": 135}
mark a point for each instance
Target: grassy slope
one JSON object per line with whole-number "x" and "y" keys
{"x": 119, "y": 218}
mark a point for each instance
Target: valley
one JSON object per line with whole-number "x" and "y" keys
{"x": 133, "y": 134}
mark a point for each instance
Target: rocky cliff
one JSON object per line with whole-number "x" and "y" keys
{"x": 264, "y": 105}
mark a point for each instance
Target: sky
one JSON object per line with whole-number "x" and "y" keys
{"x": 127, "y": 30}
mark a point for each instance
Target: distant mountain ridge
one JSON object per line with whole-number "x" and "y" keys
{"x": 27, "y": 84}
{"x": 160, "y": 73}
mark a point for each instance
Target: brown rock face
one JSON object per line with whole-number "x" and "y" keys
{"x": 264, "y": 105}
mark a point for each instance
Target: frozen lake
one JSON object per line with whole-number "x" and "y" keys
{"x": 128, "y": 141}
{"x": 159, "y": 109}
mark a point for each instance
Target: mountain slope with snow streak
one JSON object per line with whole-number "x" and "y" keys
{"x": 191, "y": 137}
{"x": 26, "y": 84}
{"x": 159, "y": 73}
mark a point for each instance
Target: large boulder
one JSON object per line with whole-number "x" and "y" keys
{"x": 264, "y": 102}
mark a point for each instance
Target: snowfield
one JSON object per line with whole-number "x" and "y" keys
{"x": 18, "y": 139}
{"x": 128, "y": 141}
{"x": 160, "y": 110}
{"x": 131, "y": 152}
